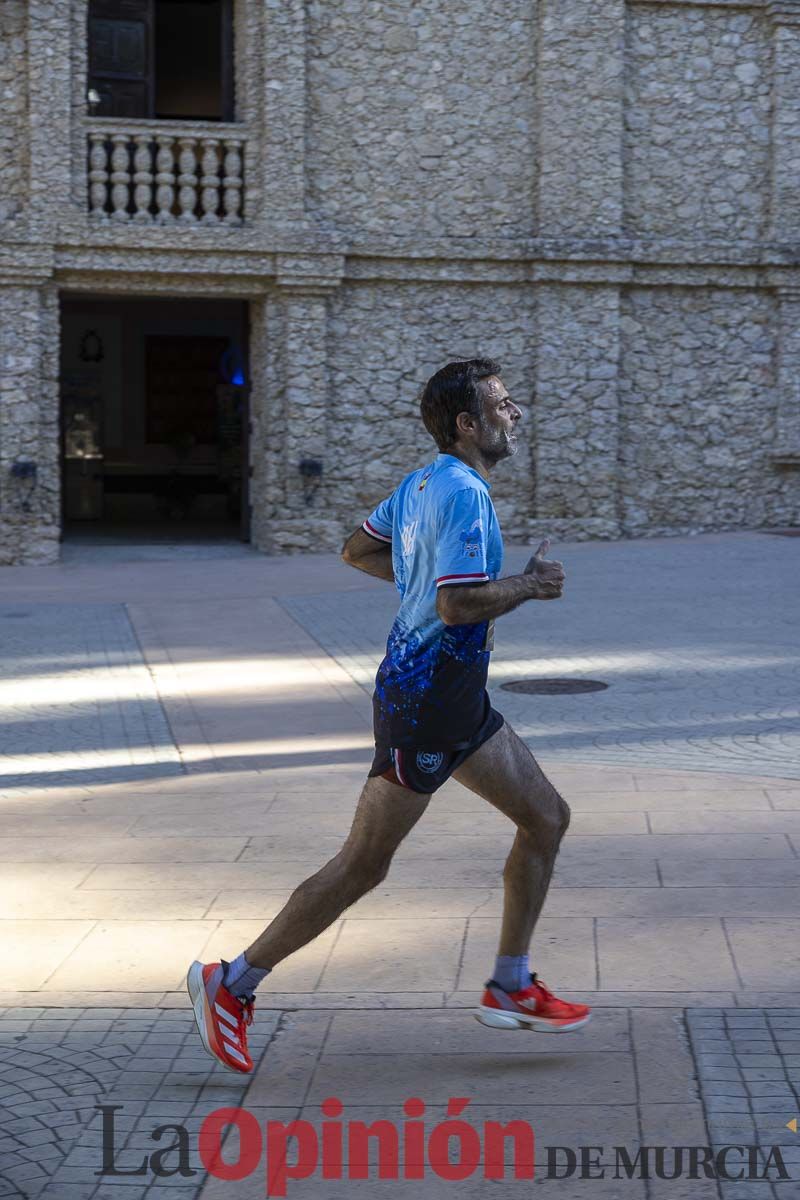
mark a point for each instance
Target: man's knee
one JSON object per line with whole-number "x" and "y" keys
{"x": 558, "y": 818}
{"x": 547, "y": 821}
{"x": 364, "y": 868}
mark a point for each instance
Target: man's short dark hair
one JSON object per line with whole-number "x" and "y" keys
{"x": 453, "y": 390}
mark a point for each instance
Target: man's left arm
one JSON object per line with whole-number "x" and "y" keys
{"x": 370, "y": 547}
{"x": 368, "y": 554}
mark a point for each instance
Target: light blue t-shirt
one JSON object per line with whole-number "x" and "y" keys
{"x": 444, "y": 532}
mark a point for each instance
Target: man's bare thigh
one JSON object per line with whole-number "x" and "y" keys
{"x": 504, "y": 772}
{"x": 384, "y": 815}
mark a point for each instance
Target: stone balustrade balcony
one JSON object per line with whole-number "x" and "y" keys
{"x": 163, "y": 172}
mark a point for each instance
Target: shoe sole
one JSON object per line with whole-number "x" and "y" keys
{"x": 197, "y": 994}
{"x": 496, "y": 1018}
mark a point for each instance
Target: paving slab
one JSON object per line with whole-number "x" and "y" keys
{"x": 401, "y": 953}
{"x": 675, "y": 953}
{"x": 593, "y": 1078}
{"x": 385, "y": 901}
{"x": 395, "y": 1033}
{"x": 132, "y": 954}
{"x": 767, "y": 952}
{"x": 33, "y": 949}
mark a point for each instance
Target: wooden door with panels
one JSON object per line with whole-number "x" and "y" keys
{"x": 161, "y": 59}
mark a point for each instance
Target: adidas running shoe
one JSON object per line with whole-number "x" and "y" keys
{"x": 221, "y": 1017}
{"x": 534, "y": 1007}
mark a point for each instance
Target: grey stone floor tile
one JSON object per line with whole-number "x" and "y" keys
{"x": 759, "y": 1089}
{"x": 755, "y": 1190}
{"x": 731, "y": 1130}
{"x": 726, "y": 1104}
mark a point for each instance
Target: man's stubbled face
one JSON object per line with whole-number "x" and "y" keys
{"x": 497, "y": 423}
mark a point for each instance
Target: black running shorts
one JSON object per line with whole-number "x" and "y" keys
{"x": 426, "y": 768}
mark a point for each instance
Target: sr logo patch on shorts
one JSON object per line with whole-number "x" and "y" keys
{"x": 422, "y": 770}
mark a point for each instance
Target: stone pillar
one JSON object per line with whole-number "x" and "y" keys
{"x": 14, "y": 124}
{"x": 785, "y": 199}
{"x": 282, "y": 161}
{"x": 290, "y": 405}
{"x": 580, "y": 103}
{"x": 50, "y": 112}
{"x": 576, "y": 411}
{"x": 786, "y": 448}
{"x": 29, "y": 424}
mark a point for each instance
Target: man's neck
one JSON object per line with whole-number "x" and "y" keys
{"x": 473, "y": 458}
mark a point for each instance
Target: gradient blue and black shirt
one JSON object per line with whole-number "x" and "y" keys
{"x": 443, "y": 529}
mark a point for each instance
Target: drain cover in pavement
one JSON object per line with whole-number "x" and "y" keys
{"x": 554, "y": 687}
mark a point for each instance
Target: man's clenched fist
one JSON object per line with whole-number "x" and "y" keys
{"x": 548, "y": 576}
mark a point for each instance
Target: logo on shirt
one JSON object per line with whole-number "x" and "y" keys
{"x": 408, "y": 535}
{"x": 425, "y": 479}
{"x": 472, "y": 539}
{"x": 429, "y": 760}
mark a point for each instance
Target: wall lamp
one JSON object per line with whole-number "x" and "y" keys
{"x": 25, "y": 473}
{"x": 311, "y": 473}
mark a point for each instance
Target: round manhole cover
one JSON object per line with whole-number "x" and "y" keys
{"x": 554, "y": 687}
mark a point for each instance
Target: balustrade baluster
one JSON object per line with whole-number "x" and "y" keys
{"x": 209, "y": 182}
{"x": 165, "y": 179}
{"x": 142, "y": 178}
{"x": 120, "y": 177}
{"x": 187, "y": 179}
{"x": 98, "y": 176}
{"x": 232, "y": 182}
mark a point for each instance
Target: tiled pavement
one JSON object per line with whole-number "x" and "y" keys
{"x": 748, "y": 1067}
{"x": 677, "y": 889}
{"x": 77, "y": 699}
{"x": 627, "y": 1081}
{"x": 60, "y": 1067}
{"x": 709, "y": 686}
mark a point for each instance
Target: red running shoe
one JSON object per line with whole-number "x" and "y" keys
{"x": 534, "y": 1007}
{"x": 221, "y": 1017}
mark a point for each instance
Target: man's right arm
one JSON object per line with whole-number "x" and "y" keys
{"x": 541, "y": 580}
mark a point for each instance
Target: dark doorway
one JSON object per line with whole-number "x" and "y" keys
{"x": 154, "y": 418}
{"x": 162, "y": 59}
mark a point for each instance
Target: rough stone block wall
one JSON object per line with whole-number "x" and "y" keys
{"x": 579, "y": 97}
{"x": 29, "y": 424}
{"x": 576, "y": 409}
{"x": 421, "y": 117}
{"x": 13, "y": 105}
{"x": 601, "y": 194}
{"x": 267, "y": 421}
{"x": 697, "y": 121}
{"x": 386, "y": 341}
{"x": 698, "y": 411}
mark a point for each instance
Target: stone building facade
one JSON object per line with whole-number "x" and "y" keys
{"x": 604, "y": 195}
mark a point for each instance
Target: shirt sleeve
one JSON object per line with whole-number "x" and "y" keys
{"x": 379, "y": 522}
{"x": 461, "y": 540}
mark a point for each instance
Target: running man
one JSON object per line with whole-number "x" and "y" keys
{"x": 437, "y": 538}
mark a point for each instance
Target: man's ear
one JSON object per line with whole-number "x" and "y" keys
{"x": 466, "y": 422}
